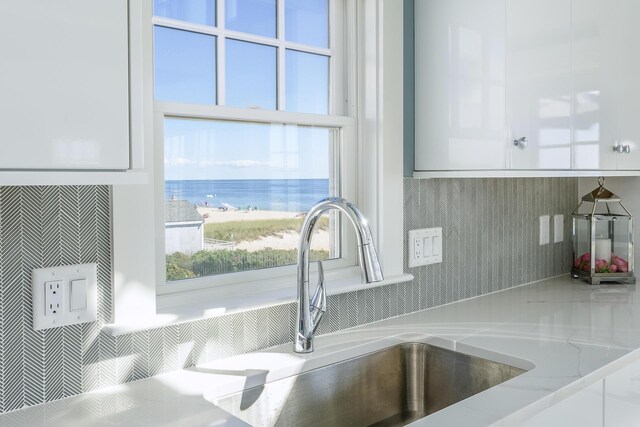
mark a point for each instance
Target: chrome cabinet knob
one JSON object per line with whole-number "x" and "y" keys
{"x": 521, "y": 142}
{"x": 619, "y": 148}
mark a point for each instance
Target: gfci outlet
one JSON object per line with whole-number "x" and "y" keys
{"x": 52, "y": 297}
{"x": 65, "y": 295}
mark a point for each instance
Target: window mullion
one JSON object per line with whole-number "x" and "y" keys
{"x": 221, "y": 68}
{"x": 184, "y": 25}
{"x": 220, "y": 54}
{"x": 307, "y": 48}
{"x": 280, "y": 84}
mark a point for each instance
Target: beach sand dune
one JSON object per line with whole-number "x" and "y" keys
{"x": 288, "y": 240}
{"x": 213, "y": 215}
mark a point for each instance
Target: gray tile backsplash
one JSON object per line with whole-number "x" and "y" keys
{"x": 490, "y": 243}
{"x": 490, "y": 233}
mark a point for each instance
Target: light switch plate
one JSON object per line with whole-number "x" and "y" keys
{"x": 544, "y": 229}
{"x": 43, "y": 315}
{"x": 558, "y": 228}
{"x": 425, "y": 246}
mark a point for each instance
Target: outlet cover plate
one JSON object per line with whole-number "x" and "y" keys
{"x": 425, "y": 246}
{"x": 558, "y": 228}
{"x": 64, "y": 316}
{"x": 544, "y": 229}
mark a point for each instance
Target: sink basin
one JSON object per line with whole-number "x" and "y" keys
{"x": 390, "y": 387}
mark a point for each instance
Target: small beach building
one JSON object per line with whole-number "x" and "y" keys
{"x": 184, "y": 227}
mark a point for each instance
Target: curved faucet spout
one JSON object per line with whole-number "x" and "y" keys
{"x": 310, "y": 312}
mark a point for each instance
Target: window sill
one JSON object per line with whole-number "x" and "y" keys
{"x": 196, "y": 305}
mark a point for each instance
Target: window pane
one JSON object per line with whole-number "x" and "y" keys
{"x": 251, "y": 16}
{"x": 250, "y": 74}
{"x": 307, "y": 22}
{"x": 236, "y": 194}
{"x": 184, "y": 66}
{"x": 307, "y": 82}
{"x": 196, "y": 11}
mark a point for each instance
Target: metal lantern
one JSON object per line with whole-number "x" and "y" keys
{"x": 602, "y": 239}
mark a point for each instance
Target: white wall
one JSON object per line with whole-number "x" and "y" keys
{"x": 185, "y": 238}
{"x": 628, "y": 188}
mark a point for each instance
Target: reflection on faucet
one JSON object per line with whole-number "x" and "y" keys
{"x": 310, "y": 311}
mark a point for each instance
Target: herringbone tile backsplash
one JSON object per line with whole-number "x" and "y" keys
{"x": 490, "y": 243}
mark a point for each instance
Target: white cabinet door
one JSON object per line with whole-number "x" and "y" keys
{"x": 628, "y": 48}
{"x": 583, "y": 409}
{"x": 622, "y": 397}
{"x": 460, "y": 84}
{"x": 595, "y": 67}
{"x": 64, "y": 99}
{"x": 606, "y": 89}
{"x": 539, "y": 83}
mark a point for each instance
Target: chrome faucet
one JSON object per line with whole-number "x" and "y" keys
{"x": 310, "y": 311}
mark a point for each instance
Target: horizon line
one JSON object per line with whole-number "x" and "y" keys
{"x": 249, "y": 179}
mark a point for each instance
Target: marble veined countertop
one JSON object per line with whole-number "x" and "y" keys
{"x": 568, "y": 335}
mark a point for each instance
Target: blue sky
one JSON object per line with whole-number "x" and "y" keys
{"x": 185, "y": 71}
{"x": 199, "y": 149}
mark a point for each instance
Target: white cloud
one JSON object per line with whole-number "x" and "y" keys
{"x": 234, "y": 163}
{"x": 179, "y": 161}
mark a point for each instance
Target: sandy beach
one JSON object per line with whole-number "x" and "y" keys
{"x": 214, "y": 215}
{"x": 288, "y": 240}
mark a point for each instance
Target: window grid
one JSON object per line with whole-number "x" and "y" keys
{"x": 282, "y": 45}
{"x": 342, "y": 150}
{"x": 280, "y": 85}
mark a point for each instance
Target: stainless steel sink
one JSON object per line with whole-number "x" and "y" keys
{"x": 390, "y": 387}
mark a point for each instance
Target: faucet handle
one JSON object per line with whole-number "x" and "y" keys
{"x": 319, "y": 299}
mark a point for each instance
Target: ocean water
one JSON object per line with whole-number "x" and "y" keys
{"x": 290, "y": 195}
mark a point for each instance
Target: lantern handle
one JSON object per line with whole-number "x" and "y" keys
{"x": 601, "y": 181}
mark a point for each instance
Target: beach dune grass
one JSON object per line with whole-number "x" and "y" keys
{"x": 246, "y": 231}
{"x": 208, "y": 263}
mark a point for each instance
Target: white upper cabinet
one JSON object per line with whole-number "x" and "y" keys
{"x": 595, "y": 68}
{"x": 539, "y": 83}
{"x": 460, "y": 84}
{"x": 606, "y": 95}
{"x": 628, "y": 48}
{"x": 527, "y": 87}
{"x": 64, "y": 85}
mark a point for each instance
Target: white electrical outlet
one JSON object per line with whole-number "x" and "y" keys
{"x": 558, "y": 228}
{"x": 544, "y": 229}
{"x": 52, "y": 297}
{"x": 425, "y": 246}
{"x": 65, "y": 295}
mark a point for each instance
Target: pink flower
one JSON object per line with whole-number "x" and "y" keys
{"x": 601, "y": 265}
{"x": 613, "y": 268}
{"x": 577, "y": 263}
{"x": 622, "y": 264}
{"x": 586, "y": 257}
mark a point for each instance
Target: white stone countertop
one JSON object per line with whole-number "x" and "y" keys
{"x": 567, "y": 334}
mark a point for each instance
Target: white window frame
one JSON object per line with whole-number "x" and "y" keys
{"x": 345, "y": 147}
{"x": 376, "y": 101}
{"x": 334, "y": 51}
{"x": 346, "y": 155}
